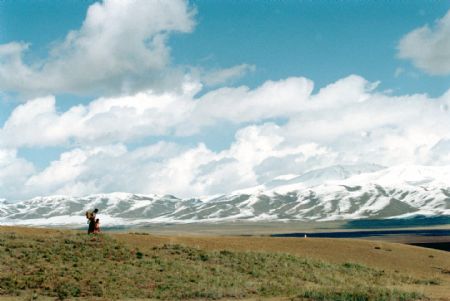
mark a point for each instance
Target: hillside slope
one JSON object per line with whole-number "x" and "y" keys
{"x": 67, "y": 264}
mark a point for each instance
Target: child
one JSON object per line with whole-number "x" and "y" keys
{"x": 97, "y": 226}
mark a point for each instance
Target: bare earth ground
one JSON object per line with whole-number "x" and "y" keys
{"x": 396, "y": 257}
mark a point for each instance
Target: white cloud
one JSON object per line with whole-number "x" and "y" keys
{"x": 115, "y": 168}
{"x": 14, "y": 172}
{"x": 428, "y": 48}
{"x": 273, "y": 99}
{"x": 122, "y": 119}
{"x": 120, "y": 47}
{"x": 105, "y": 120}
{"x": 165, "y": 167}
{"x": 346, "y": 122}
{"x": 69, "y": 171}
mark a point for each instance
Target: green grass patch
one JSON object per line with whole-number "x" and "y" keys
{"x": 70, "y": 265}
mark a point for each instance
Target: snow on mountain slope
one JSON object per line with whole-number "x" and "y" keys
{"x": 334, "y": 193}
{"x": 323, "y": 175}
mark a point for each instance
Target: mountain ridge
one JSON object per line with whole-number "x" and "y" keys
{"x": 334, "y": 193}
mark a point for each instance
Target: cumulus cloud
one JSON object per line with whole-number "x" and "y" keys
{"x": 166, "y": 167}
{"x": 273, "y": 99}
{"x": 346, "y": 122}
{"x": 14, "y": 172}
{"x": 68, "y": 174}
{"x": 428, "y": 47}
{"x": 120, "y": 47}
{"x": 125, "y": 118}
{"x": 115, "y": 168}
{"x": 38, "y": 123}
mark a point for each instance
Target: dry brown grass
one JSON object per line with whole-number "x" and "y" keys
{"x": 385, "y": 255}
{"x": 415, "y": 261}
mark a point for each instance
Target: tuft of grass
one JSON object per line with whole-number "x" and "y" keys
{"x": 74, "y": 265}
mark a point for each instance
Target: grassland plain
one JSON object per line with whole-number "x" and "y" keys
{"x": 44, "y": 264}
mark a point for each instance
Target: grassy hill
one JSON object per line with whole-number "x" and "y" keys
{"x": 41, "y": 264}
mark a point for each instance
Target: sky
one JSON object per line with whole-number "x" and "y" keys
{"x": 196, "y": 98}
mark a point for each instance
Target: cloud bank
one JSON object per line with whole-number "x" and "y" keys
{"x": 283, "y": 129}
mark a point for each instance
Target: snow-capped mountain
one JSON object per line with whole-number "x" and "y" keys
{"x": 333, "y": 193}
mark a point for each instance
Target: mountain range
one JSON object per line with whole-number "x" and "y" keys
{"x": 340, "y": 192}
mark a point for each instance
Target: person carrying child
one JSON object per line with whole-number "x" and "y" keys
{"x": 90, "y": 215}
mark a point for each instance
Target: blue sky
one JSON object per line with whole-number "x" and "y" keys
{"x": 322, "y": 40}
{"x": 215, "y": 47}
